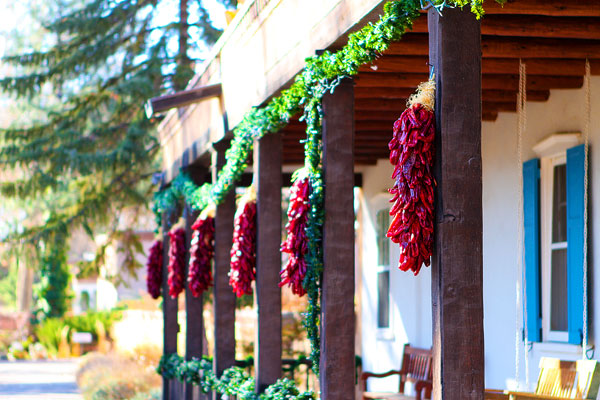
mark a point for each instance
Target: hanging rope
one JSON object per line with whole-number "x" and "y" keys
{"x": 586, "y": 140}
{"x": 521, "y": 337}
{"x": 521, "y": 99}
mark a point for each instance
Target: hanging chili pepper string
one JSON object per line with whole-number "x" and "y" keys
{"x": 202, "y": 251}
{"x": 412, "y": 152}
{"x": 154, "y": 268}
{"x": 294, "y": 271}
{"x": 243, "y": 249}
{"x": 176, "y": 260}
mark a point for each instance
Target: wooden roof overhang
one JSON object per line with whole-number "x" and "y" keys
{"x": 553, "y": 37}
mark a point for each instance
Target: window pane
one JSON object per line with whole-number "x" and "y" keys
{"x": 558, "y": 291}
{"x": 383, "y": 242}
{"x": 383, "y": 299}
{"x": 559, "y": 204}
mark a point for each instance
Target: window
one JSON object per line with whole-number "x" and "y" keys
{"x": 553, "y": 195}
{"x": 554, "y": 248}
{"x": 383, "y": 270}
{"x": 383, "y": 299}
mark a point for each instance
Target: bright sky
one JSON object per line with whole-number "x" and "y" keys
{"x": 13, "y": 13}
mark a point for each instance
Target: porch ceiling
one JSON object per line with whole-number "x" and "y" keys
{"x": 553, "y": 37}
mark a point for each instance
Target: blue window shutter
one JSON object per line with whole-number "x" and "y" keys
{"x": 531, "y": 238}
{"x": 575, "y": 207}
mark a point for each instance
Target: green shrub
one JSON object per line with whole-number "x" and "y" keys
{"x": 87, "y": 322}
{"x": 48, "y": 333}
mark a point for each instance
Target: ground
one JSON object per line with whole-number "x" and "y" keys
{"x": 38, "y": 380}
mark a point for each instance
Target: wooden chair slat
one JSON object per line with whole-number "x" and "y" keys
{"x": 565, "y": 379}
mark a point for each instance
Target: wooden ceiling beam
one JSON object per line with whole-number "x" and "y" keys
{"x": 528, "y": 26}
{"x": 487, "y": 95}
{"x": 160, "y": 104}
{"x": 358, "y": 159}
{"x": 535, "y": 66}
{"x": 496, "y": 81}
{"x": 489, "y": 115}
{"x": 417, "y": 44}
{"x": 557, "y": 8}
{"x": 392, "y": 93}
{"x": 500, "y": 106}
{"x": 375, "y": 104}
{"x": 553, "y": 8}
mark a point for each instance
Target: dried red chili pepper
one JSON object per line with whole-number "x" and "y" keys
{"x": 202, "y": 250}
{"x": 243, "y": 250}
{"x": 412, "y": 154}
{"x": 176, "y": 261}
{"x": 295, "y": 245}
{"x": 154, "y": 268}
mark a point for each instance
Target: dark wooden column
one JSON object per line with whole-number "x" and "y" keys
{"x": 267, "y": 164}
{"x": 457, "y": 299}
{"x": 170, "y": 324}
{"x": 224, "y": 298}
{"x": 337, "y": 311}
{"x": 194, "y": 318}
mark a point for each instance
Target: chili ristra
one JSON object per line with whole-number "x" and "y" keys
{"x": 243, "y": 249}
{"x": 202, "y": 250}
{"x": 176, "y": 261}
{"x": 154, "y": 268}
{"x": 295, "y": 245}
{"x": 412, "y": 154}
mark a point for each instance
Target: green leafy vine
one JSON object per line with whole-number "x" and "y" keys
{"x": 233, "y": 382}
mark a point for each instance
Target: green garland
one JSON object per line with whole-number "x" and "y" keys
{"x": 233, "y": 382}
{"x": 313, "y": 116}
{"x": 320, "y": 75}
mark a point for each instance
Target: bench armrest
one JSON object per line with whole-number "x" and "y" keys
{"x": 495, "y": 394}
{"x": 366, "y": 375}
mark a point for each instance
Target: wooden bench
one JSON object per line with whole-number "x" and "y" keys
{"x": 416, "y": 369}
{"x": 564, "y": 380}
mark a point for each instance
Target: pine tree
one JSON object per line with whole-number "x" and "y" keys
{"x": 89, "y": 152}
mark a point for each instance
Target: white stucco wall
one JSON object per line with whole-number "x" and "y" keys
{"x": 411, "y": 296}
{"x": 563, "y": 112}
{"x": 410, "y": 320}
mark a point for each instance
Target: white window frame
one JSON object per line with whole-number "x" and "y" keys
{"x": 547, "y": 165}
{"x": 383, "y": 333}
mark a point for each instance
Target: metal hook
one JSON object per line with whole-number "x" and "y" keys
{"x": 592, "y": 349}
{"x": 529, "y": 346}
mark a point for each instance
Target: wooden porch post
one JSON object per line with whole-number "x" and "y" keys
{"x": 194, "y": 318}
{"x": 457, "y": 298}
{"x": 224, "y": 298}
{"x": 170, "y": 308}
{"x": 337, "y": 309}
{"x": 267, "y": 164}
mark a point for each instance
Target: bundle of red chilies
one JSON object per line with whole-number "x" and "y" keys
{"x": 202, "y": 250}
{"x": 412, "y": 153}
{"x": 295, "y": 246}
{"x": 243, "y": 249}
{"x": 176, "y": 261}
{"x": 154, "y": 268}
